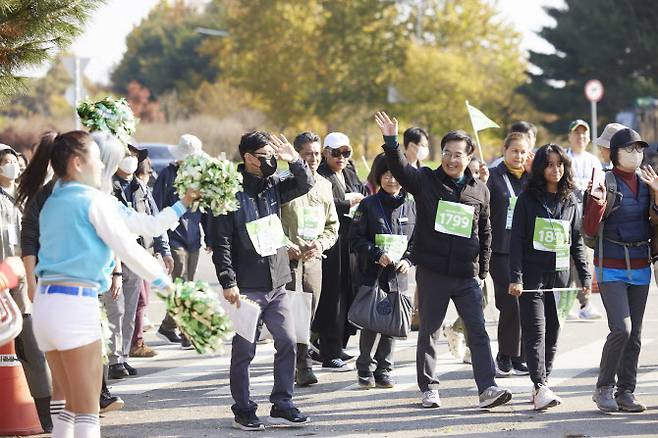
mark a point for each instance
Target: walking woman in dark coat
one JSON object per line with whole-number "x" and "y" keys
{"x": 337, "y": 290}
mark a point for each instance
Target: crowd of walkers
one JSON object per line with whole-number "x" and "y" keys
{"x": 523, "y": 231}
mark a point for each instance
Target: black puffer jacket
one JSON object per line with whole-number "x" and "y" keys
{"x": 444, "y": 253}
{"x": 236, "y": 261}
{"x": 382, "y": 213}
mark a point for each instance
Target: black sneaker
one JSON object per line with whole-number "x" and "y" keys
{"x": 109, "y": 402}
{"x": 315, "y": 357}
{"x": 366, "y": 382}
{"x": 248, "y": 421}
{"x": 345, "y": 357}
{"x": 169, "y": 336}
{"x": 132, "y": 372}
{"x": 288, "y": 417}
{"x": 185, "y": 344}
{"x": 117, "y": 371}
{"x": 305, "y": 377}
{"x": 520, "y": 369}
{"x": 503, "y": 366}
{"x": 384, "y": 381}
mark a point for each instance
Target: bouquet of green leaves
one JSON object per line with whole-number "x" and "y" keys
{"x": 199, "y": 315}
{"x": 217, "y": 180}
{"x": 110, "y": 115}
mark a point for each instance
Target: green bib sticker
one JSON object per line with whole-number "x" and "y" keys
{"x": 311, "y": 222}
{"x": 266, "y": 234}
{"x": 392, "y": 244}
{"x": 550, "y": 234}
{"x": 454, "y": 218}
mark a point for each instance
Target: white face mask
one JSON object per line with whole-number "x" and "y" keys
{"x": 423, "y": 152}
{"x": 10, "y": 170}
{"x": 630, "y": 160}
{"x": 128, "y": 164}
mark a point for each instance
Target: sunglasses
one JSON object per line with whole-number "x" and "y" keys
{"x": 345, "y": 153}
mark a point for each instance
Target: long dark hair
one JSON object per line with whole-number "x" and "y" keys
{"x": 54, "y": 149}
{"x": 537, "y": 183}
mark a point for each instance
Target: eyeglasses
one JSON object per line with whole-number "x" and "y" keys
{"x": 345, "y": 153}
{"x": 636, "y": 147}
{"x": 449, "y": 156}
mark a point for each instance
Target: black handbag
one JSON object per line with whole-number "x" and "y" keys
{"x": 388, "y": 313}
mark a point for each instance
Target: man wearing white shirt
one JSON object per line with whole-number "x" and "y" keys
{"x": 582, "y": 163}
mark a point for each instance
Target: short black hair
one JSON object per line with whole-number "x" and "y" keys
{"x": 459, "y": 135}
{"x": 414, "y": 135}
{"x": 523, "y": 127}
{"x": 379, "y": 168}
{"x": 304, "y": 138}
{"x": 252, "y": 141}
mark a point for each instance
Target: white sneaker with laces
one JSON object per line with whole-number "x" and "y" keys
{"x": 431, "y": 399}
{"x": 544, "y": 398}
{"x": 494, "y": 396}
{"x": 589, "y": 312}
{"x": 456, "y": 342}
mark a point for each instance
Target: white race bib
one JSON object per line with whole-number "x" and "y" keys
{"x": 454, "y": 218}
{"x": 311, "y": 222}
{"x": 394, "y": 245}
{"x": 266, "y": 234}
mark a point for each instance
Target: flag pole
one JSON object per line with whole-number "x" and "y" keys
{"x": 477, "y": 139}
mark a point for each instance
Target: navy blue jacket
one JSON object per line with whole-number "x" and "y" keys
{"x": 188, "y": 233}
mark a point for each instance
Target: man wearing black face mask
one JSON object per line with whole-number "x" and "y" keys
{"x": 251, "y": 259}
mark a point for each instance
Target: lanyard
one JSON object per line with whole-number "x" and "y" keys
{"x": 389, "y": 228}
{"x": 509, "y": 185}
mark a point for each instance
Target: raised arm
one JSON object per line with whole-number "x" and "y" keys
{"x": 408, "y": 176}
{"x": 301, "y": 180}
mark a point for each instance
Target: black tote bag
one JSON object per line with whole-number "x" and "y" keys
{"x": 381, "y": 312}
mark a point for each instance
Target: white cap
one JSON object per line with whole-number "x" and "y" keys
{"x": 187, "y": 145}
{"x": 610, "y": 129}
{"x": 4, "y": 147}
{"x": 334, "y": 140}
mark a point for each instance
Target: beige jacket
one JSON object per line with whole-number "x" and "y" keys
{"x": 320, "y": 195}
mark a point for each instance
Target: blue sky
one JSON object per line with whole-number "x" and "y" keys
{"x": 104, "y": 38}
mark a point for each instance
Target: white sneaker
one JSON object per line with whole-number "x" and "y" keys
{"x": 574, "y": 315}
{"x": 544, "y": 398}
{"x": 467, "y": 356}
{"x": 456, "y": 342}
{"x": 431, "y": 399}
{"x": 589, "y": 312}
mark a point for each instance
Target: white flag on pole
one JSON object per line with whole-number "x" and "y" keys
{"x": 479, "y": 120}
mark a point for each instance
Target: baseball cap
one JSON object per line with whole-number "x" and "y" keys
{"x": 187, "y": 145}
{"x": 626, "y": 137}
{"x": 576, "y": 123}
{"x": 604, "y": 139}
{"x": 334, "y": 140}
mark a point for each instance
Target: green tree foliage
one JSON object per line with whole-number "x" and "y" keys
{"x": 609, "y": 40}
{"x": 165, "y": 51}
{"x": 32, "y": 30}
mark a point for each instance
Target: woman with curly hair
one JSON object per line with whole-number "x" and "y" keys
{"x": 545, "y": 236}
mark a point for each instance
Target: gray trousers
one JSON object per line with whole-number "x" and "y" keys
{"x": 383, "y": 354}
{"x": 306, "y": 276}
{"x": 185, "y": 264}
{"x": 434, "y": 294}
{"x": 624, "y": 304}
{"x": 277, "y": 317}
{"x": 121, "y": 316}
{"x": 33, "y": 360}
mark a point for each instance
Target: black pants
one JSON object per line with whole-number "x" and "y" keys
{"x": 509, "y": 320}
{"x": 540, "y": 326}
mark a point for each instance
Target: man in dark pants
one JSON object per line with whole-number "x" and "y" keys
{"x": 185, "y": 240}
{"x": 452, "y": 249}
{"x": 251, "y": 258}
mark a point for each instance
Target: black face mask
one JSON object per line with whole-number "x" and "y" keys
{"x": 267, "y": 166}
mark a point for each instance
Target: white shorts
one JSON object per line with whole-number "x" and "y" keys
{"x": 64, "y": 322}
